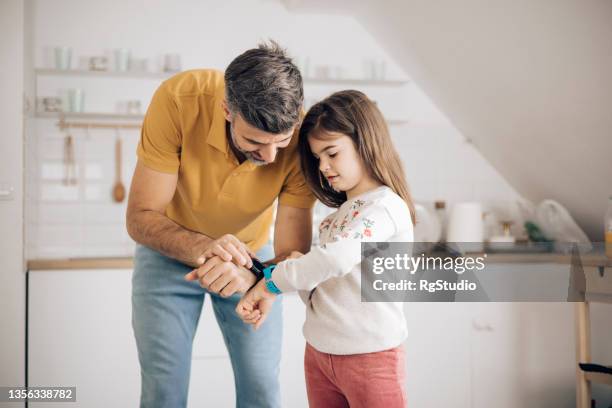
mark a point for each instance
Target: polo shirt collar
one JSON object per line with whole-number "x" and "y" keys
{"x": 217, "y": 135}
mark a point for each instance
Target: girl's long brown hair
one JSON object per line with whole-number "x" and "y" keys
{"x": 353, "y": 114}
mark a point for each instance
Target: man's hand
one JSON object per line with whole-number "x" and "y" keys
{"x": 222, "y": 277}
{"x": 255, "y": 306}
{"x": 229, "y": 249}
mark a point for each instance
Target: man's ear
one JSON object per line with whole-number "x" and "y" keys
{"x": 226, "y": 111}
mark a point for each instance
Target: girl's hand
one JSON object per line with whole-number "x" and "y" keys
{"x": 255, "y": 305}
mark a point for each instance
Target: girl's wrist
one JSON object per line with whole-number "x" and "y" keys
{"x": 265, "y": 290}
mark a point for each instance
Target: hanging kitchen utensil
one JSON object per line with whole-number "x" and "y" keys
{"x": 70, "y": 177}
{"x": 72, "y": 162}
{"x": 65, "y": 161}
{"x": 118, "y": 188}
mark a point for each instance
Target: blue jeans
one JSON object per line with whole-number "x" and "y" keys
{"x": 165, "y": 313}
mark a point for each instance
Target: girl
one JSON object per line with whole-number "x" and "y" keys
{"x": 353, "y": 349}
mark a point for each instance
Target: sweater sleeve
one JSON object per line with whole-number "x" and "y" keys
{"x": 339, "y": 257}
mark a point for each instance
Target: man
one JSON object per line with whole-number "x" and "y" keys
{"x": 215, "y": 154}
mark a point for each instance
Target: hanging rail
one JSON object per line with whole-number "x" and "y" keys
{"x": 63, "y": 125}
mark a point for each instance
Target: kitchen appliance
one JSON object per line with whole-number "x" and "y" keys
{"x": 427, "y": 228}
{"x": 465, "y": 227}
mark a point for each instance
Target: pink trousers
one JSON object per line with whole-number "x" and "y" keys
{"x": 369, "y": 380}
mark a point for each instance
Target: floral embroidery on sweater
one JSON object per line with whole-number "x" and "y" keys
{"x": 325, "y": 224}
{"x": 336, "y": 230}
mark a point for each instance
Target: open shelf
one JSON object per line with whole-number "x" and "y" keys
{"x": 107, "y": 74}
{"x": 88, "y": 115}
{"x": 120, "y": 116}
{"x": 357, "y": 81}
{"x": 163, "y": 75}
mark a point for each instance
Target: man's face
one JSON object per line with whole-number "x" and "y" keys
{"x": 258, "y": 146}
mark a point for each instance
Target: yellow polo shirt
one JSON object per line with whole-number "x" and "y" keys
{"x": 184, "y": 131}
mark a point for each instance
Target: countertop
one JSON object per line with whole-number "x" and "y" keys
{"x": 80, "y": 263}
{"x": 128, "y": 262}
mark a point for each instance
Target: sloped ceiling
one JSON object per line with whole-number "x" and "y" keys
{"x": 528, "y": 81}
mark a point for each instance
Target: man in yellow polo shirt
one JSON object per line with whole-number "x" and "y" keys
{"x": 218, "y": 153}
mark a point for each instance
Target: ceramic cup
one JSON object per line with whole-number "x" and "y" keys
{"x": 63, "y": 58}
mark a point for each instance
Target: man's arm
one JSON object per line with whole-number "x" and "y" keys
{"x": 151, "y": 191}
{"x": 292, "y": 231}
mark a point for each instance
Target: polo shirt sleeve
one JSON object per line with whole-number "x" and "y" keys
{"x": 295, "y": 191}
{"x": 160, "y": 140}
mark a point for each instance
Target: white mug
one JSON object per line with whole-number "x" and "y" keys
{"x": 122, "y": 59}
{"x": 172, "y": 63}
{"x": 76, "y": 99}
{"x": 63, "y": 58}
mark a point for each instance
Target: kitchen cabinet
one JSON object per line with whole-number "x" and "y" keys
{"x": 212, "y": 381}
{"x": 457, "y": 354}
{"x": 522, "y": 351}
{"x": 487, "y": 354}
{"x": 80, "y": 334}
{"x": 437, "y": 354}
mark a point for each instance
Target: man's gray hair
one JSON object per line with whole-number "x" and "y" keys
{"x": 265, "y": 87}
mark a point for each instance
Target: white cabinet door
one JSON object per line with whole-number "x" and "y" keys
{"x": 293, "y": 383}
{"x": 437, "y": 354}
{"x": 522, "y": 353}
{"x": 211, "y": 383}
{"x": 494, "y": 344}
{"x": 492, "y": 354}
{"x": 212, "y": 380}
{"x": 80, "y": 334}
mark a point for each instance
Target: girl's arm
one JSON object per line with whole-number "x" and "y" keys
{"x": 334, "y": 259}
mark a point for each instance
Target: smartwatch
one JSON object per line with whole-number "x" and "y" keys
{"x": 269, "y": 283}
{"x": 257, "y": 269}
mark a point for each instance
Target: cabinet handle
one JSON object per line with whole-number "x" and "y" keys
{"x": 6, "y": 193}
{"x": 482, "y": 327}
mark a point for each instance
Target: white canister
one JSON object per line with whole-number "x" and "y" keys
{"x": 63, "y": 58}
{"x": 465, "y": 226}
{"x": 122, "y": 59}
{"x": 172, "y": 63}
{"x": 76, "y": 100}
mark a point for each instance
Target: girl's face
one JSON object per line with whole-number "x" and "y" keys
{"x": 340, "y": 163}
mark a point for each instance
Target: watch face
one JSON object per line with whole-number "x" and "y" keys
{"x": 258, "y": 265}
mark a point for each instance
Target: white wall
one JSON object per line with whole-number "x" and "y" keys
{"x": 440, "y": 165}
{"x": 528, "y": 81}
{"x": 82, "y": 220}
{"x": 12, "y": 277}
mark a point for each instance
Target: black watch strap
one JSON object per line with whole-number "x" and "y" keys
{"x": 257, "y": 269}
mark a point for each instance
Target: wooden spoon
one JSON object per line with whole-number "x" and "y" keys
{"x": 118, "y": 188}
